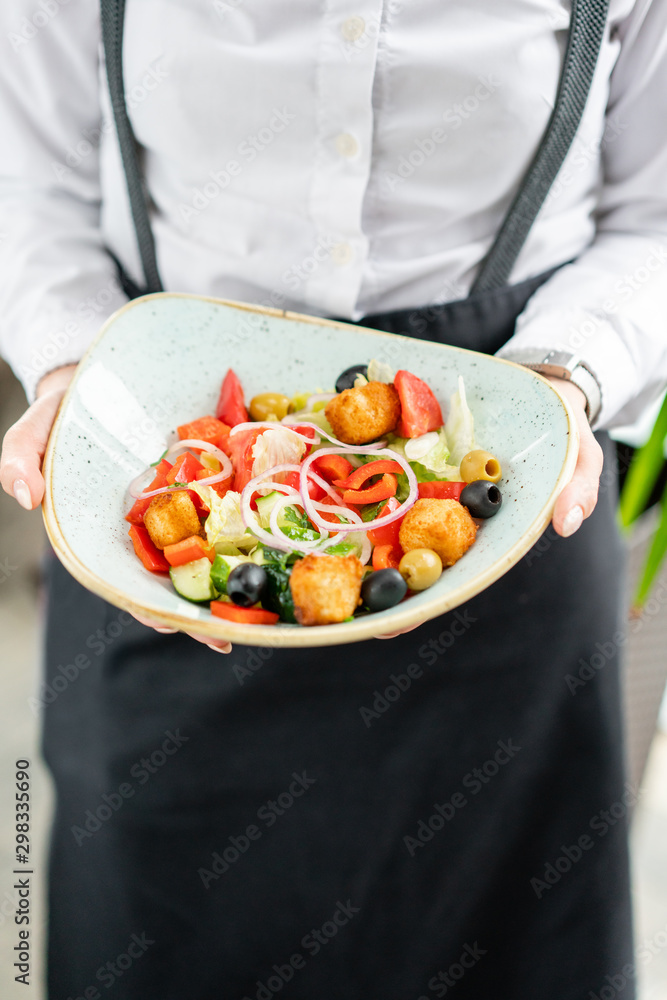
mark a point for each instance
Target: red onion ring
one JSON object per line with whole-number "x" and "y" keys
{"x": 224, "y": 460}
{"x": 248, "y": 515}
{"x": 226, "y": 470}
{"x": 277, "y": 532}
{"x": 378, "y": 521}
{"x": 319, "y": 397}
{"x": 272, "y": 425}
{"x": 353, "y": 448}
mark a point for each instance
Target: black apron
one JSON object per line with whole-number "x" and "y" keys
{"x": 388, "y": 820}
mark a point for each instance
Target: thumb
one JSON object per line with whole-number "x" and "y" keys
{"x": 23, "y": 449}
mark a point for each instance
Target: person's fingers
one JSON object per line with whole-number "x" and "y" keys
{"x": 25, "y": 442}
{"x": 217, "y": 645}
{"x": 578, "y": 499}
{"x": 401, "y": 631}
{"x": 23, "y": 450}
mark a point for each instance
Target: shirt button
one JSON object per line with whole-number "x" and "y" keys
{"x": 341, "y": 254}
{"x": 347, "y": 145}
{"x": 353, "y": 28}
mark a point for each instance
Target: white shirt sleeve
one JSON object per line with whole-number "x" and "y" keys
{"x": 58, "y": 282}
{"x": 610, "y": 306}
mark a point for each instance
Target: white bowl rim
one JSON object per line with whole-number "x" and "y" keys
{"x": 283, "y": 635}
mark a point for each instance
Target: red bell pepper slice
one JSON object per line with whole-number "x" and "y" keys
{"x": 230, "y": 408}
{"x": 420, "y": 410}
{"x": 184, "y": 469}
{"x": 206, "y": 429}
{"x": 439, "y": 490}
{"x": 135, "y": 515}
{"x": 188, "y": 550}
{"x": 386, "y": 557}
{"x": 248, "y": 616}
{"x": 387, "y": 534}
{"x": 357, "y": 478}
{"x": 147, "y": 551}
{"x": 382, "y": 490}
{"x": 332, "y": 467}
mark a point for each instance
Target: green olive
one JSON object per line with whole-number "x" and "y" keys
{"x": 269, "y": 406}
{"x": 420, "y": 568}
{"x": 480, "y": 464}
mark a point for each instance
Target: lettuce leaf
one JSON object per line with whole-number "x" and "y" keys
{"x": 459, "y": 426}
{"x": 224, "y": 525}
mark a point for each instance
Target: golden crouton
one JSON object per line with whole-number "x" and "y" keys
{"x": 442, "y": 525}
{"x": 358, "y": 416}
{"x": 171, "y": 517}
{"x": 325, "y": 589}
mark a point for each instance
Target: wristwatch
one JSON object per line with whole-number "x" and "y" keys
{"x": 561, "y": 364}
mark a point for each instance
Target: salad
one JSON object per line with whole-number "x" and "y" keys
{"x": 313, "y": 509}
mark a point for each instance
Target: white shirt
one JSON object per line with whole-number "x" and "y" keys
{"x": 338, "y": 159}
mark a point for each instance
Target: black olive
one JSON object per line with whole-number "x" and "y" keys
{"x": 383, "y": 589}
{"x": 246, "y": 584}
{"x": 346, "y": 379}
{"x": 482, "y": 498}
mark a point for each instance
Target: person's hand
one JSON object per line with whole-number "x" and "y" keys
{"x": 217, "y": 645}
{"x": 25, "y": 442}
{"x": 23, "y": 452}
{"x": 578, "y": 499}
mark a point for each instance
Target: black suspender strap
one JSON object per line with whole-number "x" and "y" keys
{"x": 587, "y": 26}
{"x": 113, "y": 16}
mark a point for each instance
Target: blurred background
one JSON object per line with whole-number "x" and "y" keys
{"x": 22, "y": 541}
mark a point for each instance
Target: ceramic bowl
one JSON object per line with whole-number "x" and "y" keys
{"x": 158, "y": 362}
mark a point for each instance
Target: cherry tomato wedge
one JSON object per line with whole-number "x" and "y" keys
{"x": 208, "y": 429}
{"x": 230, "y": 408}
{"x": 438, "y": 490}
{"x": 382, "y": 490}
{"x": 386, "y": 557}
{"x": 250, "y": 616}
{"x": 420, "y": 410}
{"x": 315, "y": 491}
{"x": 147, "y": 551}
{"x": 357, "y": 478}
{"x": 221, "y": 487}
{"x": 240, "y": 447}
{"x": 307, "y": 432}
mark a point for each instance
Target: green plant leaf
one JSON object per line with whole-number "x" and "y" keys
{"x": 644, "y": 471}
{"x": 655, "y": 556}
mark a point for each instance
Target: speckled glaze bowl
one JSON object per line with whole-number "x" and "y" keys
{"x": 159, "y": 361}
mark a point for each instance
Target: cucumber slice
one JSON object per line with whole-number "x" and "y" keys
{"x": 193, "y": 581}
{"x": 222, "y": 567}
{"x": 265, "y": 506}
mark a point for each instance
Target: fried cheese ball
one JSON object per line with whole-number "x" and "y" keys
{"x": 325, "y": 589}
{"x": 442, "y": 525}
{"x": 170, "y": 518}
{"x": 358, "y": 416}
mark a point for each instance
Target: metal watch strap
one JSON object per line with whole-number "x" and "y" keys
{"x": 587, "y": 27}
{"x": 561, "y": 364}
